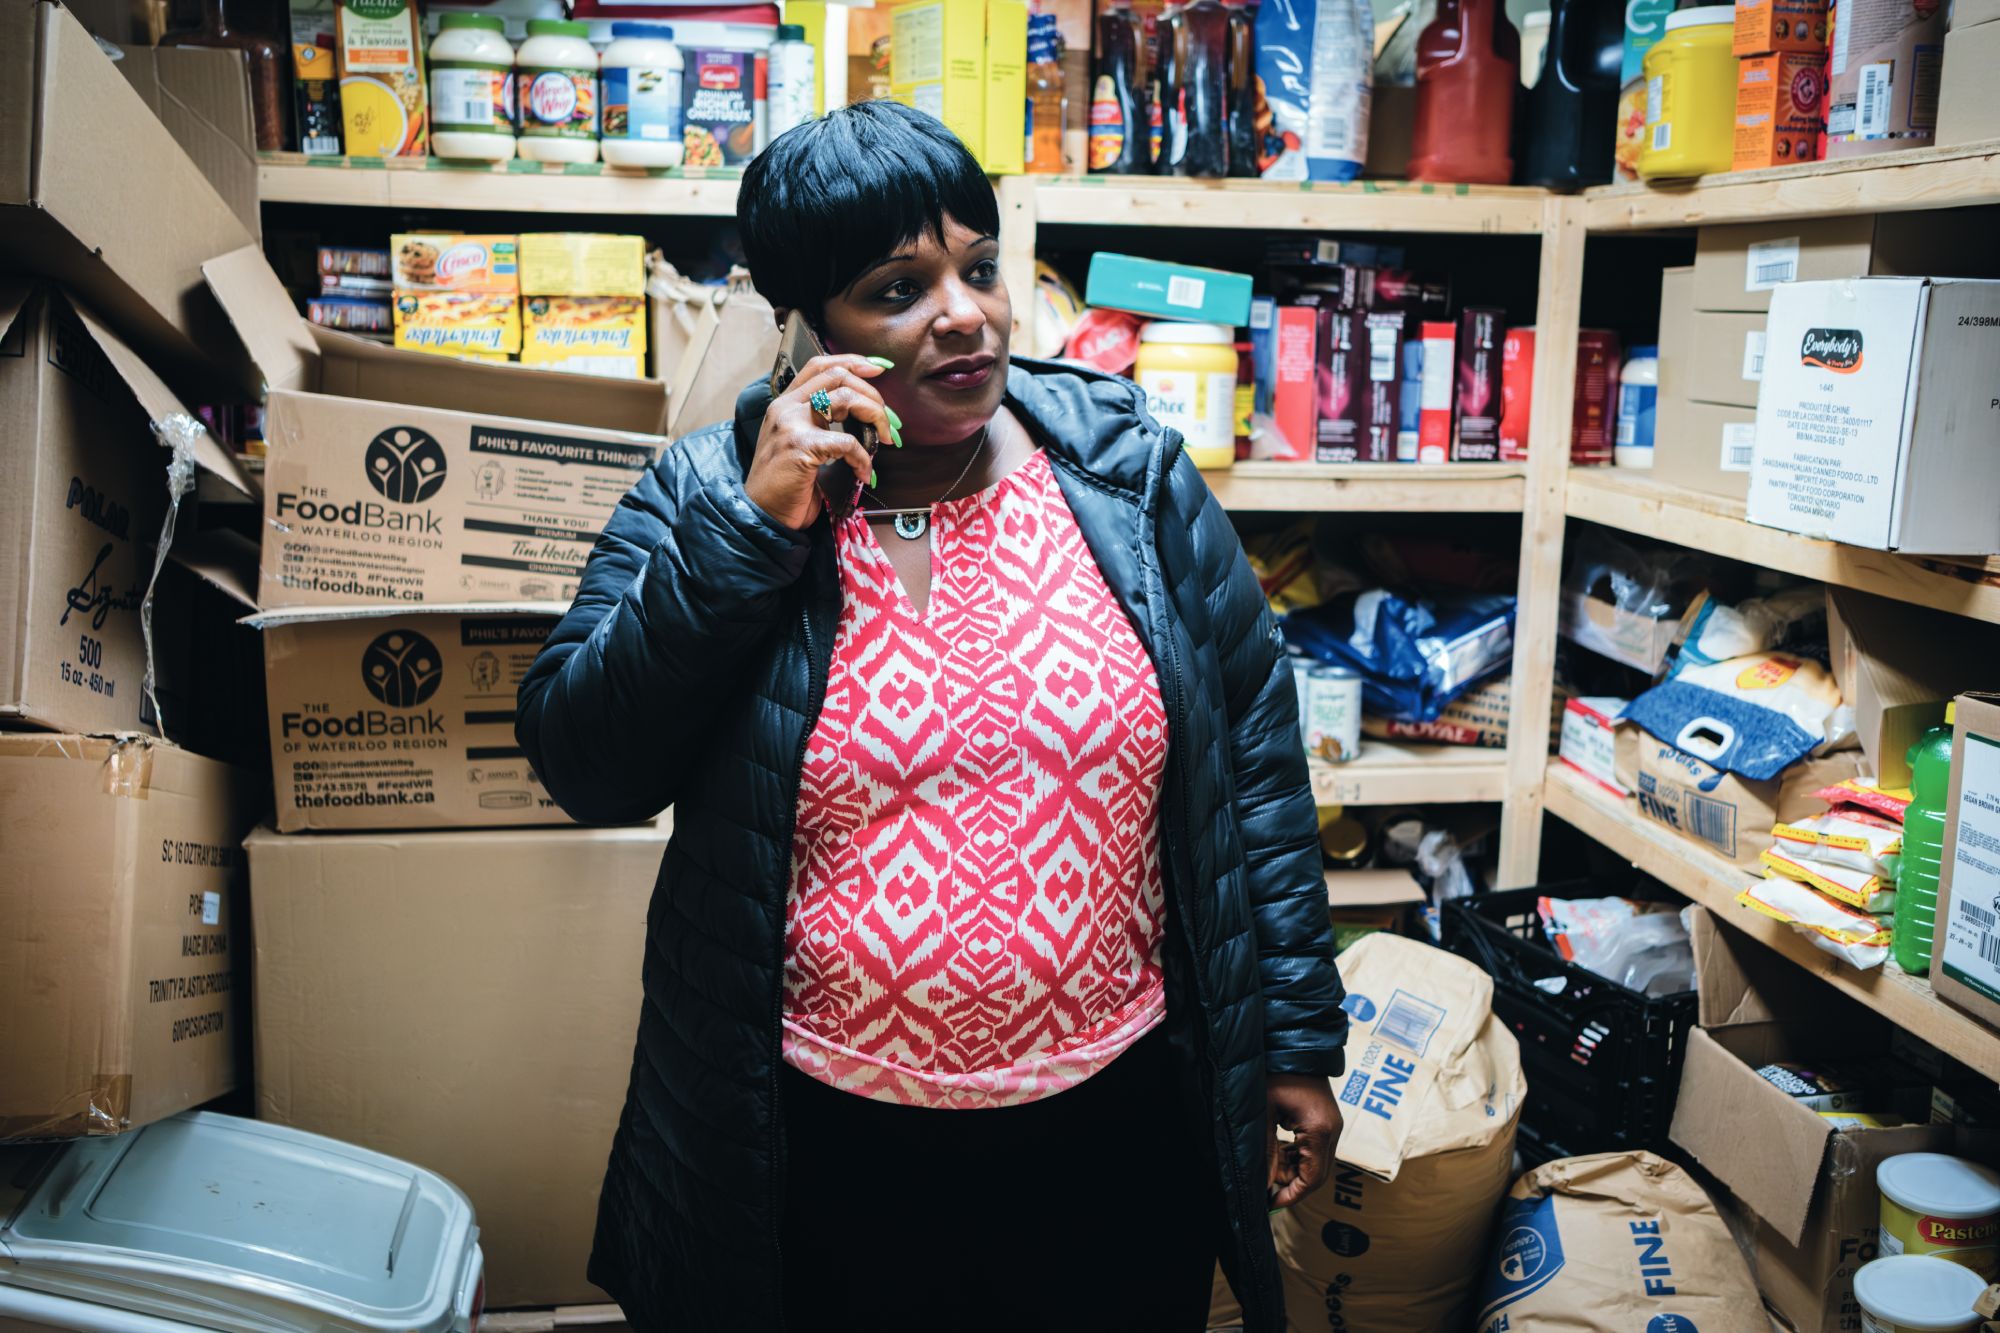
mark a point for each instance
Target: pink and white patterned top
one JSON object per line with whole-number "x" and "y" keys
{"x": 975, "y": 909}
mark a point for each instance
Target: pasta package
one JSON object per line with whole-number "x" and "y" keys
{"x": 1854, "y": 839}
{"x": 1856, "y": 888}
{"x": 1890, "y": 803}
{"x": 1852, "y": 934}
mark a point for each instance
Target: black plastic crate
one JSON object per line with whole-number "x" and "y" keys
{"x": 1603, "y": 1062}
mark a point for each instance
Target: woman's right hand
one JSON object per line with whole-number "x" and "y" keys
{"x": 794, "y": 440}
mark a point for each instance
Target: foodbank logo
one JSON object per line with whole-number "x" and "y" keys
{"x": 401, "y": 668}
{"x": 1838, "y": 350}
{"x": 405, "y": 465}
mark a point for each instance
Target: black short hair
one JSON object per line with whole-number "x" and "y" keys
{"x": 830, "y": 197}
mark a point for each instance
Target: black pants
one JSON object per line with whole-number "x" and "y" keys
{"x": 1097, "y": 1208}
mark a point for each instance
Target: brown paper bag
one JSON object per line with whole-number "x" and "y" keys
{"x": 674, "y": 304}
{"x": 733, "y": 344}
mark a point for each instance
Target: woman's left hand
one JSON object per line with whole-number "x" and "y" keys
{"x": 1303, "y": 1104}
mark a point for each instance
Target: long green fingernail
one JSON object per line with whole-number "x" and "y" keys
{"x": 871, "y": 477}
{"x": 881, "y": 361}
{"x": 894, "y": 420}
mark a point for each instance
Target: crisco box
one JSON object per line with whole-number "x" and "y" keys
{"x": 387, "y": 718}
{"x": 120, "y": 968}
{"x": 392, "y": 476}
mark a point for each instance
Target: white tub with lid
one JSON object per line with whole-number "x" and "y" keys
{"x": 642, "y": 115}
{"x": 556, "y": 91}
{"x": 1909, "y": 1293}
{"x": 207, "y": 1221}
{"x": 1933, "y": 1203}
{"x": 472, "y": 89}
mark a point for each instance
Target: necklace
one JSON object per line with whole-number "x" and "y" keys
{"x": 912, "y": 523}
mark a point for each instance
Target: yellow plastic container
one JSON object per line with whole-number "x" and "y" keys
{"x": 1944, "y": 1206}
{"x": 1691, "y": 96}
{"x": 1189, "y": 374}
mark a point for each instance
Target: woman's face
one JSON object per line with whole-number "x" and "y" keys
{"x": 940, "y": 312}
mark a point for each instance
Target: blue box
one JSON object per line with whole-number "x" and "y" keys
{"x": 1169, "y": 291}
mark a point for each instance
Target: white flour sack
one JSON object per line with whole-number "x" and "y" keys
{"x": 1394, "y": 1241}
{"x": 1615, "y": 1243}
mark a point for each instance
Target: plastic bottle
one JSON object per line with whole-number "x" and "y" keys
{"x": 1923, "y": 849}
{"x": 1243, "y": 134}
{"x": 1164, "y": 92}
{"x": 1118, "y": 121}
{"x": 1691, "y": 96}
{"x": 642, "y": 72}
{"x": 472, "y": 89}
{"x": 1047, "y": 106}
{"x": 1202, "y": 66}
{"x": 556, "y": 85}
{"x": 1638, "y": 390}
{"x": 791, "y": 92}
{"x": 1573, "y": 109}
{"x": 1468, "y": 63}
{"x": 1343, "y": 62}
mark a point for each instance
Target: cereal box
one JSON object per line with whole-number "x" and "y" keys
{"x": 582, "y": 264}
{"x": 458, "y": 322}
{"x": 380, "y": 55}
{"x": 586, "y": 335}
{"x": 448, "y": 262}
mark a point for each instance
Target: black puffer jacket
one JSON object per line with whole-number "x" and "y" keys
{"x": 689, "y": 673}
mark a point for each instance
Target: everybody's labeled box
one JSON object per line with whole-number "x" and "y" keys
{"x": 1877, "y": 423}
{"x": 118, "y": 964}
{"x": 1965, "y": 965}
{"x": 465, "y": 1002}
{"x": 1810, "y": 1185}
{"x": 402, "y": 719}
{"x": 397, "y": 477}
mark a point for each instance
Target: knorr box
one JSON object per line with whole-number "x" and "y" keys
{"x": 379, "y": 51}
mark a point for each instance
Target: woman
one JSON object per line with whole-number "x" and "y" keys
{"x": 991, "y": 944}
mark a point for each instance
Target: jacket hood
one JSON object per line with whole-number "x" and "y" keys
{"x": 1096, "y": 421}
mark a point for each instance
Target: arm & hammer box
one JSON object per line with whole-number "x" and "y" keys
{"x": 394, "y": 477}
{"x": 1878, "y": 421}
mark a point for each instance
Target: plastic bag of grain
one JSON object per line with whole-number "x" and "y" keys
{"x": 1614, "y": 1243}
{"x": 1394, "y": 1241}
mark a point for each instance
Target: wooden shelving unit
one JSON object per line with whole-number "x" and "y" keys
{"x": 1400, "y": 773}
{"x": 508, "y": 187}
{"x": 1392, "y": 206}
{"x": 1634, "y": 502}
{"x": 1441, "y": 488}
{"x": 1904, "y": 1000}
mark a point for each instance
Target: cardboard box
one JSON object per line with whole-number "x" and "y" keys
{"x": 83, "y": 492}
{"x": 1168, "y": 291}
{"x": 1725, "y": 358}
{"x": 1780, "y": 105}
{"x": 1963, "y": 970}
{"x": 1882, "y": 78}
{"x": 1765, "y": 26}
{"x": 555, "y": 263}
{"x": 1708, "y": 448}
{"x": 1637, "y": 641}
{"x": 202, "y": 96}
{"x": 1737, "y": 267}
{"x": 1589, "y": 740}
{"x": 396, "y": 477}
{"x": 585, "y": 335}
{"x": 1675, "y": 341}
{"x": 391, "y": 719}
{"x": 118, "y": 967}
{"x": 1004, "y": 89}
{"x": 937, "y": 62}
{"x": 77, "y": 147}
{"x": 1877, "y": 410}
{"x": 465, "y": 1002}
{"x": 1727, "y": 815}
{"x": 1810, "y": 1186}
{"x": 1967, "y": 110}
{"x": 1898, "y": 666}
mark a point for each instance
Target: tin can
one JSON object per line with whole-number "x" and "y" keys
{"x": 1330, "y": 713}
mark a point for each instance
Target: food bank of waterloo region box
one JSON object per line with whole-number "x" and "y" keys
{"x": 400, "y": 477}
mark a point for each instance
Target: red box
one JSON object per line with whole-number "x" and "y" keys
{"x": 1294, "y": 393}
{"x": 1481, "y": 330}
{"x": 1517, "y": 393}
{"x": 1595, "y": 426}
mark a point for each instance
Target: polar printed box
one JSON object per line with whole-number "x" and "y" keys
{"x": 402, "y": 719}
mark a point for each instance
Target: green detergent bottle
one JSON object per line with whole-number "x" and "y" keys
{"x": 1923, "y": 849}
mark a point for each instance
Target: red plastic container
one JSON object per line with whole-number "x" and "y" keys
{"x": 1468, "y": 71}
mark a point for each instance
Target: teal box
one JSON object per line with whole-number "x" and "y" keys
{"x": 1169, "y": 291}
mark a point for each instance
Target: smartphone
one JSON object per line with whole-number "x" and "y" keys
{"x": 798, "y": 344}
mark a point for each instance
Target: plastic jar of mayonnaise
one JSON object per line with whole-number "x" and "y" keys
{"x": 1913, "y": 1294}
{"x": 472, "y": 89}
{"x": 1691, "y": 95}
{"x": 642, "y": 71}
{"x": 1189, "y": 374}
{"x": 1638, "y": 392}
{"x": 557, "y": 87}
{"x": 1941, "y": 1205}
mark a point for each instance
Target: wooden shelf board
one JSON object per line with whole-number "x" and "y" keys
{"x": 1904, "y": 1000}
{"x": 1400, "y": 772}
{"x": 1124, "y": 201}
{"x": 1883, "y": 183}
{"x": 1636, "y": 502}
{"x": 510, "y": 187}
{"x": 1477, "y": 488}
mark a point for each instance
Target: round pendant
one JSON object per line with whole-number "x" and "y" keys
{"x": 911, "y": 527}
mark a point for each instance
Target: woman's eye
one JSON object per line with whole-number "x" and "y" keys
{"x": 900, "y": 290}
{"x": 985, "y": 271}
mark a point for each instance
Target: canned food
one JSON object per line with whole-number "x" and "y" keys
{"x": 1330, "y": 712}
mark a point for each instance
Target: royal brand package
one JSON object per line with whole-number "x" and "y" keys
{"x": 585, "y": 335}
{"x": 1481, "y": 333}
{"x": 1886, "y": 57}
{"x": 582, "y": 264}
{"x": 402, "y": 719}
{"x": 1780, "y": 108}
{"x": 1393, "y": 1241}
{"x": 1963, "y": 967}
{"x": 380, "y": 55}
{"x": 1877, "y": 404}
{"x": 120, "y": 970}
{"x": 455, "y": 927}
{"x": 722, "y": 88}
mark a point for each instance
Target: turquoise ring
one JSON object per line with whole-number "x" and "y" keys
{"x": 822, "y": 403}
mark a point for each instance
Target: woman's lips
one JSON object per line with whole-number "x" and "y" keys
{"x": 965, "y": 373}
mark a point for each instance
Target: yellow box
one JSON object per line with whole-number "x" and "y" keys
{"x": 1005, "y": 135}
{"x": 587, "y": 335}
{"x": 574, "y": 263}
{"x": 937, "y": 63}
{"x": 458, "y": 322}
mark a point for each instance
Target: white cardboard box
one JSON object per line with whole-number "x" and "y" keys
{"x": 1589, "y": 736}
{"x": 1878, "y": 423}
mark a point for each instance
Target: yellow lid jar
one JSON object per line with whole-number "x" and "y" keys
{"x": 1691, "y": 95}
{"x": 1189, "y": 374}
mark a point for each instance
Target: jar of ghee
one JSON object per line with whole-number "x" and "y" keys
{"x": 1691, "y": 95}
{"x": 1189, "y": 374}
